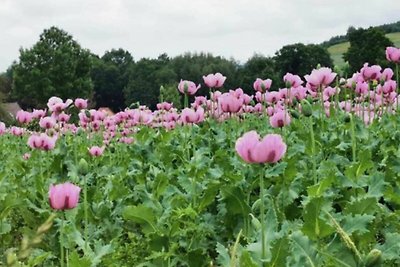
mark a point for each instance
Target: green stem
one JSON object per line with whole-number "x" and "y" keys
{"x": 211, "y": 111}
{"x": 314, "y": 162}
{"x": 353, "y": 138}
{"x": 62, "y": 240}
{"x": 397, "y": 84}
{"x": 194, "y": 176}
{"x": 186, "y": 101}
{"x": 2, "y": 239}
{"x": 85, "y": 210}
{"x": 263, "y": 234}
{"x": 337, "y": 95}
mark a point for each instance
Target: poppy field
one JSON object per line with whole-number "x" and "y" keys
{"x": 305, "y": 176}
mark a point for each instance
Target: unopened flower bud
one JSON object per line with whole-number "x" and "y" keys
{"x": 374, "y": 258}
{"x": 83, "y": 167}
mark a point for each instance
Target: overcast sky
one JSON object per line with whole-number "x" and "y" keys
{"x": 147, "y": 28}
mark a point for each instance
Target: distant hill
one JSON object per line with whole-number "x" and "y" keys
{"x": 337, "y": 50}
{"x": 386, "y": 28}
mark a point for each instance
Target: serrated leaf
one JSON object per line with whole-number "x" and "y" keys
{"x": 376, "y": 185}
{"x": 100, "y": 251}
{"x": 319, "y": 189}
{"x": 142, "y": 215}
{"x": 234, "y": 199}
{"x": 37, "y": 260}
{"x": 276, "y": 170}
{"x": 223, "y": 258}
{"x": 76, "y": 261}
{"x": 362, "y": 206}
{"x": 4, "y": 228}
{"x": 279, "y": 252}
{"x": 357, "y": 223}
{"x": 391, "y": 248}
{"x": 302, "y": 251}
{"x": 364, "y": 163}
{"x": 314, "y": 226}
{"x": 209, "y": 195}
{"x": 246, "y": 260}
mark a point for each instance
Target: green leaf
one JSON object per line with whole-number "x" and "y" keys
{"x": 376, "y": 185}
{"x": 246, "y": 260}
{"x": 160, "y": 184}
{"x": 319, "y": 189}
{"x": 100, "y": 251}
{"x": 302, "y": 251}
{"x": 277, "y": 170}
{"x": 391, "y": 248}
{"x": 37, "y": 260}
{"x": 223, "y": 258}
{"x": 235, "y": 200}
{"x": 314, "y": 226}
{"x": 357, "y": 223}
{"x": 76, "y": 261}
{"x": 366, "y": 205}
{"x": 209, "y": 195}
{"x": 279, "y": 252}
{"x": 364, "y": 163}
{"x": 4, "y": 228}
{"x": 142, "y": 215}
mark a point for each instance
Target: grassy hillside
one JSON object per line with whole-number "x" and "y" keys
{"x": 337, "y": 50}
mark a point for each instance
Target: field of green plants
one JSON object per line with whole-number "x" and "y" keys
{"x": 209, "y": 185}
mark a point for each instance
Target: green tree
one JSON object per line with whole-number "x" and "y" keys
{"x": 110, "y": 77}
{"x": 145, "y": 78}
{"x": 258, "y": 66}
{"x": 366, "y": 45}
{"x": 193, "y": 67}
{"x": 170, "y": 94}
{"x": 300, "y": 59}
{"x": 55, "y": 66}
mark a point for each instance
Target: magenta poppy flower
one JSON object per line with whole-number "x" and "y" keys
{"x": 64, "y": 196}
{"x": 393, "y": 54}
{"x": 371, "y": 72}
{"x": 47, "y": 122}
{"x": 42, "y": 141}
{"x": 164, "y": 106}
{"x": 253, "y": 150}
{"x": 214, "y": 80}
{"x": 2, "y": 128}
{"x": 387, "y": 74}
{"x": 188, "y": 87}
{"x": 292, "y": 80}
{"x": 230, "y": 103}
{"x": 279, "y": 119}
{"x": 189, "y": 115}
{"x": 262, "y": 85}
{"x": 24, "y": 117}
{"x": 81, "y": 103}
{"x": 320, "y": 77}
{"x": 96, "y": 151}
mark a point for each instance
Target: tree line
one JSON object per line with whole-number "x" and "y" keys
{"x": 385, "y": 28}
{"x": 58, "y": 65}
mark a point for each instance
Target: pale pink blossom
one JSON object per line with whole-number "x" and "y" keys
{"x": 64, "y": 196}
{"x": 253, "y": 150}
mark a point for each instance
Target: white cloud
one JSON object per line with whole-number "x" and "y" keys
{"x": 147, "y": 28}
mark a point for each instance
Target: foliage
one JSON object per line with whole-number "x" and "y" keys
{"x": 366, "y": 46}
{"x": 170, "y": 94}
{"x": 110, "y": 77}
{"x": 145, "y": 78}
{"x": 184, "y": 198}
{"x": 301, "y": 59}
{"x": 386, "y": 28}
{"x": 55, "y": 65}
{"x": 257, "y": 66}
